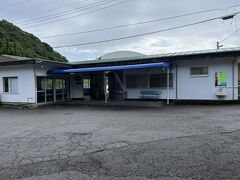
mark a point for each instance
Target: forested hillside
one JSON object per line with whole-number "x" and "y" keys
{"x": 14, "y": 41}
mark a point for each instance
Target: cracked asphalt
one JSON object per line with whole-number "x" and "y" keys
{"x": 83, "y": 142}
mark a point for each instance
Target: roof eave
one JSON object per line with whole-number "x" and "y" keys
{"x": 34, "y": 61}
{"x": 152, "y": 59}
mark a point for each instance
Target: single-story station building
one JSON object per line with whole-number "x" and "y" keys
{"x": 211, "y": 75}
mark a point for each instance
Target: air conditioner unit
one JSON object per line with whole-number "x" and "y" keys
{"x": 221, "y": 91}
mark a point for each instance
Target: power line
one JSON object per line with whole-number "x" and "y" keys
{"x": 138, "y": 23}
{"x": 145, "y": 22}
{"x": 64, "y": 13}
{"x": 13, "y": 5}
{"x": 49, "y": 10}
{"x": 143, "y": 34}
{"x": 16, "y": 14}
{"x": 70, "y": 17}
{"x": 237, "y": 32}
{"x": 38, "y": 5}
{"x": 229, "y": 35}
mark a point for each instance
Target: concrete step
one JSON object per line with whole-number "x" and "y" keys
{"x": 18, "y": 105}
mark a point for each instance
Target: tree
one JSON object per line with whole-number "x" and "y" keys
{"x": 14, "y": 41}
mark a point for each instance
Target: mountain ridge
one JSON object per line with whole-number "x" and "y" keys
{"x": 16, "y": 42}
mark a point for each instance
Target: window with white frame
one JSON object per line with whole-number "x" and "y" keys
{"x": 160, "y": 80}
{"x": 199, "y": 71}
{"x": 137, "y": 81}
{"x": 10, "y": 84}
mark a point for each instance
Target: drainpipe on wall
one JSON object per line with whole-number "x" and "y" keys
{"x": 176, "y": 76}
{"x": 233, "y": 78}
{"x": 168, "y": 83}
{"x": 45, "y": 83}
{"x": 35, "y": 83}
{"x": 105, "y": 86}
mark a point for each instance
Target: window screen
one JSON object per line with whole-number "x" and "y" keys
{"x": 49, "y": 84}
{"x": 59, "y": 84}
{"x": 137, "y": 81}
{"x": 199, "y": 71}
{"x": 160, "y": 80}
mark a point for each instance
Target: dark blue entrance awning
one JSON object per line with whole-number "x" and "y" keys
{"x": 166, "y": 65}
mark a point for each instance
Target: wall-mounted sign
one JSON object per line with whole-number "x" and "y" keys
{"x": 220, "y": 79}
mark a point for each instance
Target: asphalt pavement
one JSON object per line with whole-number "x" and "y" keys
{"x": 85, "y": 142}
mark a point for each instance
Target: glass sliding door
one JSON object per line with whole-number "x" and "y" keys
{"x": 59, "y": 89}
{"x": 65, "y": 90}
{"x": 41, "y": 90}
{"x": 50, "y": 90}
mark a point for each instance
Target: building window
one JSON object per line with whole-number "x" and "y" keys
{"x": 50, "y": 90}
{"x": 160, "y": 80}
{"x": 41, "y": 87}
{"x": 199, "y": 71}
{"x": 40, "y": 84}
{"x": 86, "y": 83}
{"x": 137, "y": 81}
{"x": 10, "y": 84}
{"x": 59, "y": 84}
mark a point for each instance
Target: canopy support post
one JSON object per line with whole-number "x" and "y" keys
{"x": 119, "y": 80}
{"x": 105, "y": 86}
{"x": 45, "y": 88}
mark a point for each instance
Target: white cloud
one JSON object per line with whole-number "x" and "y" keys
{"x": 151, "y": 45}
{"x": 198, "y": 37}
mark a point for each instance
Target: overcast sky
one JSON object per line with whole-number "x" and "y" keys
{"x": 198, "y": 37}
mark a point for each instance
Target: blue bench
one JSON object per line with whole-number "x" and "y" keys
{"x": 150, "y": 94}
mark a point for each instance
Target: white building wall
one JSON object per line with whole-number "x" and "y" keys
{"x": 40, "y": 71}
{"x": 26, "y": 84}
{"x": 134, "y": 93}
{"x": 186, "y": 87}
{"x": 203, "y": 88}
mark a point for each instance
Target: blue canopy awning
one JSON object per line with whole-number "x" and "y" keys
{"x": 166, "y": 65}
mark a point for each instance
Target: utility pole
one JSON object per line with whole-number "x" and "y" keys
{"x": 218, "y": 45}
{"x": 224, "y": 18}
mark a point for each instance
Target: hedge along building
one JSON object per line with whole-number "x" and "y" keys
{"x": 199, "y": 75}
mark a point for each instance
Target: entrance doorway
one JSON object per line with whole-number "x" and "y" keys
{"x": 87, "y": 88}
{"x": 103, "y": 86}
{"x": 49, "y": 90}
{"x": 41, "y": 90}
{"x": 97, "y": 86}
{"x": 60, "y": 86}
{"x": 52, "y": 89}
